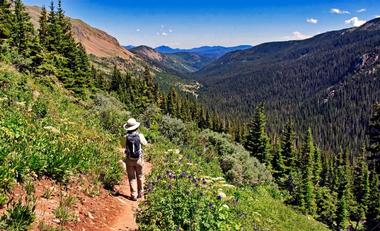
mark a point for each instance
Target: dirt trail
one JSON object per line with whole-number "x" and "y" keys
{"x": 125, "y": 220}
{"x": 104, "y": 212}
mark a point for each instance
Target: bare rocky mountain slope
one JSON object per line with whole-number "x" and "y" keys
{"x": 95, "y": 41}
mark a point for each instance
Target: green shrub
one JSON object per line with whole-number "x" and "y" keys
{"x": 237, "y": 165}
{"x": 176, "y": 130}
{"x": 184, "y": 202}
{"x": 112, "y": 175}
{"x": 40, "y": 108}
{"x": 111, "y": 113}
{"x": 19, "y": 217}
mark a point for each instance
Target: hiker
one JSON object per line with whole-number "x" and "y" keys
{"x": 134, "y": 158}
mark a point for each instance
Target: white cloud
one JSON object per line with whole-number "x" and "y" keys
{"x": 377, "y": 16}
{"x": 355, "y": 21}
{"x": 170, "y": 31}
{"x": 312, "y": 20}
{"x": 138, "y": 30}
{"x": 296, "y": 35}
{"x": 164, "y": 34}
{"x": 362, "y": 10}
{"x": 299, "y": 35}
{"x": 338, "y": 11}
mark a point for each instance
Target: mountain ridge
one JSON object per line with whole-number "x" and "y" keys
{"x": 209, "y": 51}
{"x": 317, "y": 81}
{"x": 96, "y": 42}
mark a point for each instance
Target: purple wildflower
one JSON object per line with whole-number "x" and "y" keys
{"x": 183, "y": 174}
{"x": 211, "y": 205}
{"x": 219, "y": 197}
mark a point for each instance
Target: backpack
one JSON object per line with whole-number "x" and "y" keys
{"x": 133, "y": 146}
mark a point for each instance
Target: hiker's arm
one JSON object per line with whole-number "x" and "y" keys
{"x": 143, "y": 140}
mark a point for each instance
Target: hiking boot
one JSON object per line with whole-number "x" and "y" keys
{"x": 133, "y": 198}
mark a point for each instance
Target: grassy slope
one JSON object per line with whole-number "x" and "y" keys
{"x": 67, "y": 141}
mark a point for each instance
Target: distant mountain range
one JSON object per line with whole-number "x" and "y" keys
{"x": 211, "y": 52}
{"x": 328, "y": 82}
{"x": 161, "y": 62}
{"x": 181, "y": 61}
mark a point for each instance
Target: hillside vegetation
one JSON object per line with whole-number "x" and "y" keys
{"x": 328, "y": 78}
{"x": 61, "y": 119}
{"x": 62, "y": 122}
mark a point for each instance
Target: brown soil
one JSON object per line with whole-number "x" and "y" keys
{"x": 95, "y": 209}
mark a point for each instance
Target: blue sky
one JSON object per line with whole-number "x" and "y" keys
{"x": 193, "y": 23}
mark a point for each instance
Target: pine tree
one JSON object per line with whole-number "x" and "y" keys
{"x": 172, "y": 102}
{"x": 23, "y": 34}
{"x": 53, "y": 30}
{"x": 6, "y": 19}
{"x": 307, "y": 164}
{"x": 361, "y": 187}
{"x": 287, "y": 145}
{"x": 346, "y": 203}
{"x": 82, "y": 71}
{"x": 43, "y": 30}
{"x": 115, "y": 79}
{"x": 279, "y": 169}
{"x": 257, "y": 141}
{"x": 342, "y": 212}
{"x": 373, "y": 212}
{"x": 317, "y": 168}
{"x": 374, "y": 138}
{"x": 326, "y": 208}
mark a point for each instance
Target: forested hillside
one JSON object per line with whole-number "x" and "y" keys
{"x": 328, "y": 82}
{"x": 61, "y": 121}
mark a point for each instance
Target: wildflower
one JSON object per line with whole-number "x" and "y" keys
{"x": 170, "y": 187}
{"x": 219, "y": 197}
{"x": 183, "y": 174}
{"x": 211, "y": 205}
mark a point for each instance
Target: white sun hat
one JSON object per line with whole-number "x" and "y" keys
{"x": 131, "y": 125}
